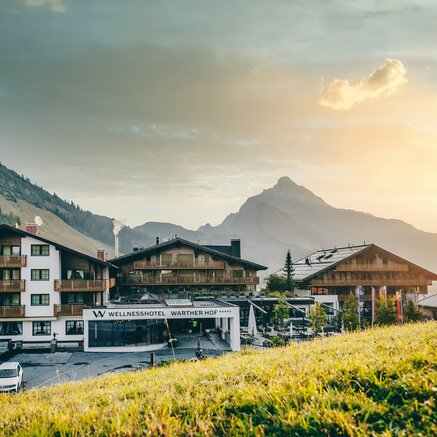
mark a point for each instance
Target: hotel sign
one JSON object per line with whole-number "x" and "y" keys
{"x": 158, "y": 313}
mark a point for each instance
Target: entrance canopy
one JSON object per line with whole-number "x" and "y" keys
{"x": 108, "y": 323}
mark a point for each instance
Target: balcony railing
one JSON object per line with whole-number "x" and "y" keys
{"x": 13, "y": 285}
{"x": 12, "y": 311}
{"x": 149, "y": 265}
{"x": 69, "y": 310}
{"x": 372, "y": 268}
{"x": 369, "y": 282}
{"x": 186, "y": 280}
{"x": 13, "y": 261}
{"x": 72, "y": 285}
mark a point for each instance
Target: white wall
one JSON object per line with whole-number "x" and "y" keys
{"x": 51, "y": 262}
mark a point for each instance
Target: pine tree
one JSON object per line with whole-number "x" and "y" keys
{"x": 288, "y": 272}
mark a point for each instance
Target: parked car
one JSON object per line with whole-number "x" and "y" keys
{"x": 5, "y": 349}
{"x": 11, "y": 377}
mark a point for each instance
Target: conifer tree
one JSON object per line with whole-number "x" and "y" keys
{"x": 288, "y": 272}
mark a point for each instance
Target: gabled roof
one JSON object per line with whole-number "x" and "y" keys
{"x": 325, "y": 259}
{"x": 158, "y": 247}
{"x": 58, "y": 246}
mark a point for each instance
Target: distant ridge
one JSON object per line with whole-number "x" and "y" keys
{"x": 285, "y": 216}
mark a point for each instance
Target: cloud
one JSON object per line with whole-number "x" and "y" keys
{"x": 54, "y": 5}
{"x": 384, "y": 81}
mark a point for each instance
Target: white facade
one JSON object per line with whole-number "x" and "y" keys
{"x": 41, "y": 301}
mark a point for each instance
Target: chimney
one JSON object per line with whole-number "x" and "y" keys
{"x": 101, "y": 254}
{"x": 236, "y": 248}
{"x": 32, "y": 228}
{"x": 157, "y": 240}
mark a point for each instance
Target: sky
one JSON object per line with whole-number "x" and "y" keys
{"x": 178, "y": 111}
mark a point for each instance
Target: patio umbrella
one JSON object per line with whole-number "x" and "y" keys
{"x": 251, "y": 326}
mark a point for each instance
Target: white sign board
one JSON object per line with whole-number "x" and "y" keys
{"x": 158, "y": 313}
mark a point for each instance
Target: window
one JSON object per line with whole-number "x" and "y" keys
{"x": 11, "y": 328}
{"x": 166, "y": 259}
{"x": 42, "y": 328}
{"x": 40, "y": 250}
{"x": 74, "y": 327}
{"x": 9, "y": 299}
{"x": 40, "y": 299}
{"x": 73, "y": 298}
{"x": 11, "y": 274}
{"x": 11, "y": 250}
{"x": 76, "y": 274}
{"x": 40, "y": 274}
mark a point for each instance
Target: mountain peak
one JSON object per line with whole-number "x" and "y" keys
{"x": 284, "y": 181}
{"x": 287, "y": 190}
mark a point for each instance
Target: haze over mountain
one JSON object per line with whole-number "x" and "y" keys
{"x": 286, "y": 216}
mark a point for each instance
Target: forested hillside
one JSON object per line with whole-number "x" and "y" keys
{"x": 15, "y": 187}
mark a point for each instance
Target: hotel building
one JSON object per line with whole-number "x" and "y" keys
{"x": 185, "y": 284}
{"x": 44, "y": 287}
{"x": 364, "y": 271}
{"x": 135, "y": 302}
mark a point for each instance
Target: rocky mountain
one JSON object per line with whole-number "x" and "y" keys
{"x": 286, "y": 216}
{"x": 290, "y": 216}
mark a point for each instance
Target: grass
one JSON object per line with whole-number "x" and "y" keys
{"x": 378, "y": 382}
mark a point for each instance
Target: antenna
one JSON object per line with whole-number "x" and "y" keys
{"x": 38, "y": 221}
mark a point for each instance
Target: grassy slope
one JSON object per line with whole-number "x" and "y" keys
{"x": 379, "y": 381}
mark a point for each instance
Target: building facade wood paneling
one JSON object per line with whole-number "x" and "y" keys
{"x": 340, "y": 271}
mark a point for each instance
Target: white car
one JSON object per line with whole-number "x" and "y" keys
{"x": 11, "y": 377}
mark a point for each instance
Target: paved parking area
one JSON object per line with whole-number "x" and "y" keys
{"x": 42, "y": 369}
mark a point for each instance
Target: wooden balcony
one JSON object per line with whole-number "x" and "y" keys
{"x": 13, "y": 285}
{"x": 148, "y": 265}
{"x": 13, "y": 261}
{"x": 188, "y": 280}
{"x": 370, "y": 282}
{"x": 92, "y": 285}
{"x": 371, "y": 268}
{"x": 69, "y": 310}
{"x": 12, "y": 311}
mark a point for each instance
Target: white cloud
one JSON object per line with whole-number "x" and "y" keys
{"x": 384, "y": 81}
{"x": 54, "y": 5}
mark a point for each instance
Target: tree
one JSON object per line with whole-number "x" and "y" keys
{"x": 411, "y": 312}
{"x": 276, "y": 283}
{"x": 386, "y": 313}
{"x": 280, "y": 313}
{"x": 288, "y": 272}
{"x": 318, "y": 318}
{"x": 350, "y": 313}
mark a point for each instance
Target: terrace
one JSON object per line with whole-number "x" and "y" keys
{"x": 12, "y": 311}
{"x": 91, "y": 285}
{"x": 13, "y": 285}
{"x": 16, "y": 261}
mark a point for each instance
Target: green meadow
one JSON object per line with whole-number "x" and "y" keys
{"x": 381, "y": 381}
